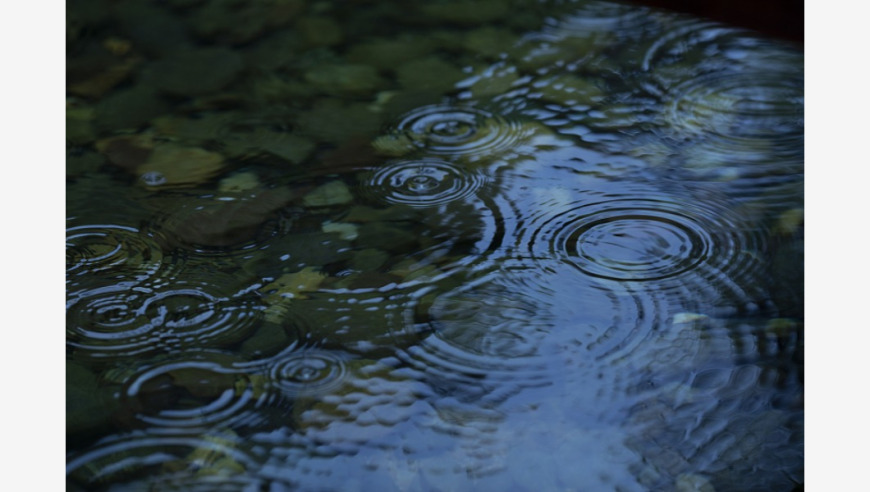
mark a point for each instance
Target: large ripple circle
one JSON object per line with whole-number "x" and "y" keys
{"x": 460, "y": 131}
{"x": 641, "y": 240}
{"x": 206, "y": 395}
{"x": 633, "y": 243}
{"x": 740, "y": 113}
{"x": 118, "y": 321}
{"x": 140, "y": 461}
{"x": 306, "y": 372}
{"x": 422, "y": 183}
{"x": 111, "y": 250}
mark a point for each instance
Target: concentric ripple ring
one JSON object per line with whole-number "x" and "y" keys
{"x": 94, "y": 249}
{"x": 460, "y": 131}
{"x": 628, "y": 240}
{"x": 423, "y": 182}
{"x": 307, "y": 372}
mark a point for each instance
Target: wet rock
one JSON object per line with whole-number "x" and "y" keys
{"x": 492, "y": 81}
{"x": 99, "y": 83}
{"x": 195, "y": 72}
{"x": 127, "y": 151}
{"x": 268, "y": 339}
{"x": 272, "y": 88}
{"x": 389, "y": 53}
{"x": 293, "y": 285}
{"x": 319, "y": 31}
{"x": 242, "y": 22}
{"x": 368, "y": 260}
{"x": 332, "y": 193}
{"x": 431, "y": 73}
{"x": 467, "y": 13}
{"x": 388, "y": 237}
{"x": 790, "y": 222}
{"x": 152, "y": 29}
{"x": 490, "y": 41}
{"x": 363, "y": 214}
{"x": 303, "y": 249}
{"x": 345, "y": 231}
{"x": 332, "y": 121}
{"x": 569, "y": 90}
{"x": 238, "y": 182}
{"x": 129, "y": 109}
{"x": 79, "y": 127}
{"x": 88, "y": 407}
{"x": 202, "y": 383}
{"x": 688, "y": 482}
{"x": 372, "y": 280}
{"x": 349, "y": 79}
{"x": 78, "y": 164}
{"x": 278, "y": 50}
{"x": 223, "y": 223}
{"x": 194, "y": 130}
{"x": 170, "y": 165}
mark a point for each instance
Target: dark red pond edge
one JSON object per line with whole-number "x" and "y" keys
{"x": 783, "y": 19}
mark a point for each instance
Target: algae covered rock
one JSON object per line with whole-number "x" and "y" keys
{"x": 333, "y": 121}
{"x": 388, "y": 53}
{"x": 293, "y": 285}
{"x": 344, "y": 79}
{"x": 88, "y": 407}
{"x": 238, "y": 182}
{"x": 129, "y": 108}
{"x": 171, "y": 165}
{"x": 220, "y": 223}
{"x": 332, "y": 193}
{"x": 430, "y": 73}
{"x": 195, "y": 72}
{"x": 467, "y": 13}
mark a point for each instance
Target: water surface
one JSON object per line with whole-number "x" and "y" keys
{"x": 438, "y": 245}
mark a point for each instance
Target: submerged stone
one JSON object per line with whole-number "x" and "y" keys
{"x": 350, "y": 79}
{"x": 180, "y": 166}
{"x": 319, "y": 31}
{"x": 293, "y": 285}
{"x": 332, "y": 193}
{"x": 195, "y": 72}
{"x": 88, "y": 407}
{"x": 333, "y": 121}
{"x": 242, "y": 181}
{"x": 388, "y": 53}
{"x": 430, "y": 73}
{"x": 223, "y": 223}
{"x": 268, "y": 339}
{"x": 344, "y": 230}
{"x": 467, "y": 13}
{"x": 129, "y": 109}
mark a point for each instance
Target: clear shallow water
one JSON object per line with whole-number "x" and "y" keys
{"x": 431, "y": 246}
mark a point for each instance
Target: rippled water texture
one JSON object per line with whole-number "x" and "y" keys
{"x": 437, "y": 245}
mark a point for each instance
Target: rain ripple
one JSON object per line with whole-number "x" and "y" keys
{"x": 119, "y": 321}
{"x": 422, "y": 183}
{"x": 454, "y": 131}
{"x": 306, "y": 372}
{"x": 484, "y": 341}
{"x": 142, "y": 461}
{"x": 676, "y": 243}
{"x": 121, "y": 252}
{"x": 194, "y": 396}
{"x": 732, "y": 104}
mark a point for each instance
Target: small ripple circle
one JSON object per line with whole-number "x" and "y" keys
{"x": 307, "y": 372}
{"x": 422, "y": 182}
{"x": 460, "y": 131}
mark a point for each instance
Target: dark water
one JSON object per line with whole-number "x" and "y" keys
{"x": 492, "y": 245}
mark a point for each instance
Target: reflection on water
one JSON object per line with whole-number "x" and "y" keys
{"x": 431, "y": 246}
